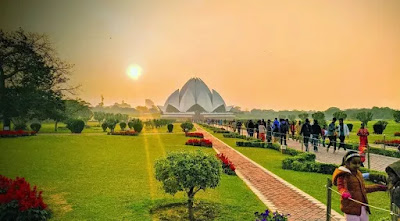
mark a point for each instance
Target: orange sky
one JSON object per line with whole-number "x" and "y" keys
{"x": 283, "y": 54}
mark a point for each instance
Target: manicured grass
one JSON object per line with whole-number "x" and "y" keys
{"x": 391, "y": 128}
{"x": 100, "y": 177}
{"x": 311, "y": 183}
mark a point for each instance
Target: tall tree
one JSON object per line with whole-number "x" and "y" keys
{"x": 396, "y": 115}
{"x": 30, "y": 74}
{"x": 303, "y": 116}
{"x": 320, "y": 117}
{"x": 340, "y": 114}
{"x": 364, "y": 117}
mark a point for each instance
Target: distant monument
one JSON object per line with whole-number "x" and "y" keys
{"x": 195, "y": 101}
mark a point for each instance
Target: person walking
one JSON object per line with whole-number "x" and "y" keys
{"x": 275, "y": 129}
{"x": 316, "y": 131}
{"x": 298, "y": 129}
{"x": 238, "y": 126}
{"x": 332, "y": 135}
{"x": 256, "y": 129}
{"x": 283, "y": 131}
{"x": 269, "y": 131}
{"x": 343, "y": 132}
{"x": 262, "y": 130}
{"x": 324, "y": 131}
{"x": 250, "y": 128}
{"x": 306, "y": 132}
{"x": 363, "y": 134}
{"x": 351, "y": 186}
{"x": 293, "y": 128}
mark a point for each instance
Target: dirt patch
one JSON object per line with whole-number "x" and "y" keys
{"x": 178, "y": 212}
{"x": 60, "y": 203}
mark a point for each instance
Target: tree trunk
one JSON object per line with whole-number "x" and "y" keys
{"x": 6, "y": 119}
{"x": 190, "y": 204}
{"x": 55, "y": 126}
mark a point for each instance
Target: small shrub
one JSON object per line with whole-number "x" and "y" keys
{"x": 138, "y": 126}
{"x": 267, "y": 216}
{"x": 187, "y": 126}
{"x": 35, "y": 126}
{"x": 76, "y": 125}
{"x": 130, "y": 124}
{"x": 170, "y": 127}
{"x": 379, "y": 127}
{"x": 227, "y": 166}
{"x": 104, "y": 126}
{"x": 20, "y": 126}
{"x": 122, "y": 125}
{"x": 350, "y": 126}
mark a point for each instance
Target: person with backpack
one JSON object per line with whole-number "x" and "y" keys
{"x": 316, "y": 131}
{"x": 275, "y": 129}
{"x": 250, "y": 128}
{"x": 283, "y": 131}
{"x": 306, "y": 133}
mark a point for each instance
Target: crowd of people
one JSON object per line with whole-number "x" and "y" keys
{"x": 314, "y": 134}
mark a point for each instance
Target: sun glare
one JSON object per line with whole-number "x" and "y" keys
{"x": 134, "y": 71}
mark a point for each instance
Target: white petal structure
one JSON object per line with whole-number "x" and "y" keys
{"x": 194, "y": 97}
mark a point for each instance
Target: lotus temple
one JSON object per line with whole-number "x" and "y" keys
{"x": 195, "y": 101}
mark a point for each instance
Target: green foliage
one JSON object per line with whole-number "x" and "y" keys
{"x": 19, "y": 123}
{"x": 99, "y": 116}
{"x": 379, "y": 127}
{"x": 138, "y": 125}
{"x": 292, "y": 118}
{"x": 187, "y": 125}
{"x": 130, "y": 124}
{"x": 122, "y": 125}
{"x": 170, "y": 127}
{"x": 188, "y": 172}
{"x": 364, "y": 117}
{"x": 111, "y": 123}
{"x": 320, "y": 117}
{"x": 396, "y": 115}
{"x": 303, "y": 116}
{"x": 340, "y": 114}
{"x": 78, "y": 109}
{"x": 75, "y": 125}
{"x": 104, "y": 125}
{"x": 350, "y": 126}
{"x": 35, "y": 126}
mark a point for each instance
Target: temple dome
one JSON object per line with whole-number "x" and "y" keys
{"x": 195, "y": 96}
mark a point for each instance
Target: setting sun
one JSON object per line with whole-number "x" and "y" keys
{"x": 134, "y": 71}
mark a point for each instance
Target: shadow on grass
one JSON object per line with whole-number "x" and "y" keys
{"x": 179, "y": 211}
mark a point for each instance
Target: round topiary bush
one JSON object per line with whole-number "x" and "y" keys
{"x": 76, "y": 126}
{"x": 35, "y": 126}
{"x": 186, "y": 125}
{"x": 350, "y": 126}
{"x": 170, "y": 127}
{"x": 379, "y": 127}
{"x": 122, "y": 125}
{"x": 138, "y": 126}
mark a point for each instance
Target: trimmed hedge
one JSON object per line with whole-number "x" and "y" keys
{"x": 379, "y": 151}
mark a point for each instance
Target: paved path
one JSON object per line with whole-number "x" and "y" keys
{"x": 378, "y": 162}
{"x": 276, "y": 193}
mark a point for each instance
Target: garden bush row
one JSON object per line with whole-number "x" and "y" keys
{"x": 379, "y": 151}
{"x": 305, "y": 162}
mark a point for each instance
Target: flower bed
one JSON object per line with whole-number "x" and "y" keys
{"x": 197, "y": 142}
{"x": 394, "y": 143}
{"x": 267, "y": 216}
{"x": 18, "y": 133}
{"x": 199, "y": 135}
{"x": 397, "y": 134}
{"x": 228, "y": 167}
{"x": 19, "y": 202}
{"x": 124, "y": 133}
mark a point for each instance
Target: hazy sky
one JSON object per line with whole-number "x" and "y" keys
{"x": 283, "y": 54}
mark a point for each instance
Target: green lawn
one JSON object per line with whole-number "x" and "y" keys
{"x": 100, "y": 177}
{"x": 311, "y": 183}
{"x": 391, "y": 128}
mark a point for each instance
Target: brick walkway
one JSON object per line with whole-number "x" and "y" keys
{"x": 378, "y": 162}
{"x": 276, "y": 193}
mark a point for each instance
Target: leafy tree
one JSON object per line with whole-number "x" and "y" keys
{"x": 292, "y": 117}
{"x": 364, "y": 117}
{"x": 396, "y": 115}
{"x": 188, "y": 172}
{"x": 99, "y": 116}
{"x": 78, "y": 109}
{"x": 142, "y": 109}
{"x": 303, "y": 116}
{"x": 330, "y": 111}
{"x": 32, "y": 77}
{"x": 122, "y": 125}
{"x": 340, "y": 114}
{"x": 320, "y": 117}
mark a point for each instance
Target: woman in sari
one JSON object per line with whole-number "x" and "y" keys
{"x": 363, "y": 134}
